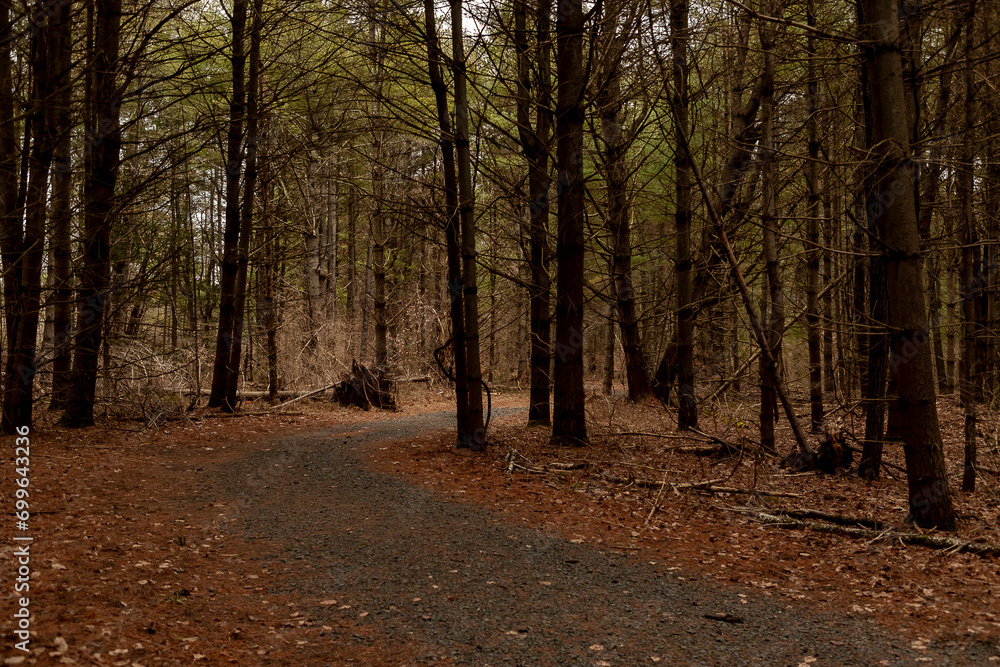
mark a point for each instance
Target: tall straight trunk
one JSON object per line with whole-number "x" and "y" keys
{"x": 929, "y": 495}
{"x": 970, "y": 296}
{"x": 365, "y": 308}
{"x": 687, "y": 414}
{"x": 476, "y": 433}
{"x": 813, "y": 250}
{"x": 434, "y": 59}
{"x": 569, "y": 426}
{"x": 378, "y": 300}
{"x": 350, "y": 288}
{"x": 873, "y": 341}
{"x": 614, "y": 151}
{"x": 842, "y": 305}
{"x": 863, "y": 218}
{"x": 312, "y": 264}
{"x": 376, "y": 224}
{"x": 535, "y": 140}
{"x": 742, "y": 129}
{"x": 929, "y": 203}
{"x": 608, "y": 367}
{"x": 270, "y": 305}
{"x": 332, "y": 246}
{"x": 61, "y": 213}
{"x": 246, "y": 214}
{"x": 493, "y": 327}
{"x": 231, "y": 236}
{"x": 937, "y": 329}
{"x": 10, "y": 223}
{"x": 22, "y": 338}
{"x": 103, "y": 157}
{"x": 770, "y": 231}
{"x": 952, "y": 301}
{"x": 877, "y": 347}
{"x": 829, "y": 320}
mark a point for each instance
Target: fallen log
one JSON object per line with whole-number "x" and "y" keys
{"x": 931, "y": 541}
{"x": 247, "y": 395}
{"x": 299, "y": 398}
{"x": 649, "y": 484}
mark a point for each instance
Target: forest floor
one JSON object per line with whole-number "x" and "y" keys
{"x": 138, "y": 561}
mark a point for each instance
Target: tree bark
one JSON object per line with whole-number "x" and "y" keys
{"x": 9, "y": 220}
{"x": 461, "y": 379}
{"x": 246, "y": 213}
{"x": 687, "y": 413}
{"x": 970, "y": 293}
{"x": 535, "y": 143}
{"x": 231, "y": 236}
{"x": 61, "y": 213}
{"x": 813, "y": 250}
{"x": 614, "y": 149}
{"x": 770, "y": 228}
{"x": 930, "y": 499}
{"x": 30, "y": 244}
{"x": 476, "y": 433}
{"x": 569, "y": 426}
{"x": 103, "y": 150}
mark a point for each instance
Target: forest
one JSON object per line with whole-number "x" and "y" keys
{"x": 790, "y": 203}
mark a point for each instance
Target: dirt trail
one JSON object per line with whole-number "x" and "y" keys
{"x": 437, "y": 580}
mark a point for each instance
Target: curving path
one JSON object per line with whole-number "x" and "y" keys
{"x": 494, "y": 593}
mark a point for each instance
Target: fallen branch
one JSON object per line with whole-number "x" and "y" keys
{"x": 650, "y": 484}
{"x": 646, "y": 434}
{"x": 934, "y": 542}
{"x": 248, "y": 395}
{"x": 730, "y": 447}
{"x": 311, "y": 393}
{"x": 752, "y": 492}
{"x": 838, "y": 519}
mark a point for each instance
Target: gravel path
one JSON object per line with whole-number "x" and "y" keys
{"x": 494, "y": 593}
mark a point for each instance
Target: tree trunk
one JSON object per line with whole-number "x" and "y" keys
{"x": 459, "y": 374}
{"x": 687, "y": 413}
{"x": 61, "y": 213}
{"x": 770, "y": 231}
{"x": 813, "y": 250}
{"x": 466, "y": 198}
{"x": 246, "y": 214}
{"x": 615, "y": 146}
{"x": 569, "y": 426}
{"x": 378, "y": 269}
{"x": 270, "y": 305}
{"x": 930, "y": 499}
{"x": 350, "y": 288}
{"x": 231, "y": 236}
{"x": 830, "y": 321}
{"x": 608, "y": 367}
{"x": 22, "y": 338}
{"x": 311, "y": 269}
{"x": 535, "y": 143}
{"x": 969, "y": 279}
{"x": 103, "y": 151}
{"x": 10, "y": 226}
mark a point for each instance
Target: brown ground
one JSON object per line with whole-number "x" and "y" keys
{"x": 131, "y": 565}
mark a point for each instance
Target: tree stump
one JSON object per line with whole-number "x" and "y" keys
{"x": 365, "y": 388}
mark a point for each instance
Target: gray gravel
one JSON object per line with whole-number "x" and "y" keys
{"x": 377, "y": 542}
